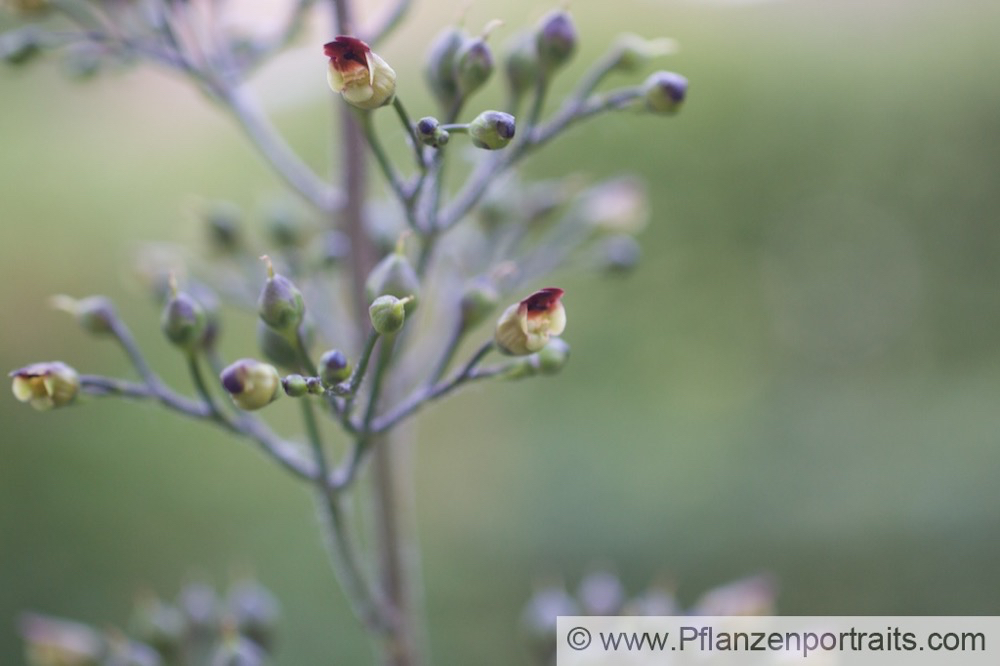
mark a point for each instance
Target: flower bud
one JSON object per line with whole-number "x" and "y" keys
{"x": 183, "y": 321}
{"x": 664, "y": 92}
{"x": 658, "y": 600}
{"x": 541, "y": 613}
{"x": 285, "y": 226}
{"x": 333, "y": 367}
{"x": 95, "y": 314}
{"x": 430, "y": 133}
{"x": 332, "y": 246}
{"x": 278, "y": 350}
{"x": 223, "y": 224}
{"x": 632, "y": 51}
{"x": 280, "y": 304}
{"x": 236, "y": 650}
{"x": 753, "y": 595}
{"x": 52, "y": 642}
{"x": 473, "y": 65}
{"x": 314, "y": 385}
{"x": 359, "y": 75}
{"x": 526, "y": 327}
{"x": 478, "y": 301}
{"x": 295, "y": 386}
{"x": 601, "y": 593}
{"x": 199, "y": 604}
{"x": 18, "y": 47}
{"x": 619, "y": 254}
{"x": 440, "y": 70}
{"x": 492, "y": 130}
{"x": 159, "y": 625}
{"x": 615, "y": 206}
{"x": 82, "y": 61}
{"x": 46, "y": 385}
{"x": 521, "y": 65}
{"x": 555, "y": 40}
{"x": 255, "y": 611}
{"x": 552, "y": 357}
{"x": 394, "y": 276}
{"x": 250, "y": 383}
{"x": 388, "y": 314}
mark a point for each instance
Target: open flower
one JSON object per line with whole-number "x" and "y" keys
{"x": 525, "y": 327}
{"x": 360, "y": 76}
{"x": 46, "y": 385}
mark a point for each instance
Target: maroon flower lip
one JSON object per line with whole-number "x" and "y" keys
{"x": 543, "y": 300}
{"x": 343, "y": 50}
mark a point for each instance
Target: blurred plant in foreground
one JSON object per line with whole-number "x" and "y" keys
{"x": 199, "y": 628}
{"x": 601, "y": 594}
{"x": 363, "y": 304}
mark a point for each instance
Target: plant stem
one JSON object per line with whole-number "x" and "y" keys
{"x": 401, "y": 650}
{"x": 343, "y": 551}
{"x": 404, "y": 118}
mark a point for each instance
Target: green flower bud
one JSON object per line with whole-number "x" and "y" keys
{"x": 430, "y": 133}
{"x": 45, "y": 385}
{"x": 632, "y": 51}
{"x": 665, "y": 92}
{"x": 522, "y": 368}
{"x": 280, "y": 304}
{"x": 285, "y": 225}
{"x": 295, "y": 386}
{"x": 18, "y": 47}
{"x": 394, "y": 276}
{"x": 250, "y": 383}
{"x": 255, "y": 611}
{"x": 388, "y": 314}
{"x": 223, "y": 224}
{"x": 440, "y": 70}
{"x": 619, "y": 254}
{"x": 473, "y": 65}
{"x": 276, "y": 347}
{"x": 184, "y": 321}
{"x": 525, "y": 327}
{"x": 333, "y": 367}
{"x": 492, "y": 130}
{"x": 521, "y": 64}
{"x": 95, "y": 314}
{"x": 159, "y": 625}
{"x": 314, "y": 385}
{"x": 478, "y": 301}
{"x": 552, "y": 357}
{"x": 555, "y": 40}
{"x": 361, "y": 77}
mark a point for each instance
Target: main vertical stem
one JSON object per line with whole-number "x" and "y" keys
{"x": 401, "y": 647}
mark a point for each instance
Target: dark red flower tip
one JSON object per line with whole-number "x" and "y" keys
{"x": 543, "y": 300}
{"x": 345, "y": 49}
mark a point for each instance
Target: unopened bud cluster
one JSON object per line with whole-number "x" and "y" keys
{"x": 238, "y": 629}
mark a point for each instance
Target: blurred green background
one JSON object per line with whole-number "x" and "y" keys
{"x": 801, "y": 378}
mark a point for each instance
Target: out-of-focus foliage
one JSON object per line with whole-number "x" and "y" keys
{"x": 800, "y": 376}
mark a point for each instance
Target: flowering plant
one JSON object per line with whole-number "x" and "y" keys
{"x": 422, "y": 276}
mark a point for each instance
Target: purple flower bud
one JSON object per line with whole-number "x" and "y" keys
{"x": 665, "y": 92}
